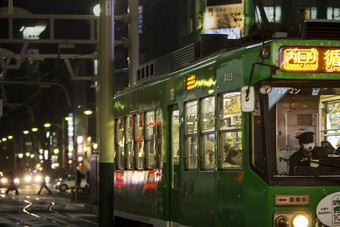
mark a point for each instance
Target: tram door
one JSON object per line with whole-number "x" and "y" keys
{"x": 174, "y": 163}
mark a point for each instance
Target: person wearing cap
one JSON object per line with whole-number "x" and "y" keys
{"x": 307, "y": 151}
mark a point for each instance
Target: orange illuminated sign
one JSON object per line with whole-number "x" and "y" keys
{"x": 309, "y": 59}
{"x": 190, "y": 82}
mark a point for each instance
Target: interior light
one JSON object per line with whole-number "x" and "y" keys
{"x": 300, "y": 221}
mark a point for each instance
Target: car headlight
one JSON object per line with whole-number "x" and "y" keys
{"x": 28, "y": 178}
{"x": 4, "y": 180}
{"x": 16, "y": 181}
{"x": 300, "y": 220}
{"x": 38, "y": 179}
{"x": 47, "y": 179}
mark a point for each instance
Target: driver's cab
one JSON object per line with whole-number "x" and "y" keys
{"x": 281, "y": 113}
{"x": 300, "y": 110}
{"x": 295, "y": 115}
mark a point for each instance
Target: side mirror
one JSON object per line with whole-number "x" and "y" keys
{"x": 248, "y": 99}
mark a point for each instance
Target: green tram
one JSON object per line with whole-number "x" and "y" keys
{"x": 211, "y": 144}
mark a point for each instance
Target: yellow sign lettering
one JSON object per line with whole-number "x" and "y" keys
{"x": 300, "y": 59}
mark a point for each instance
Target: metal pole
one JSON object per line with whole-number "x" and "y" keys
{"x": 134, "y": 41}
{"x": 105, "y": 112}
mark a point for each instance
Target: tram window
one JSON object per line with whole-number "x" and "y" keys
{"x": 175, "y": 148}
{"x": 139, "y": 141}
{"x": 230, "y": 131}
{"x": 149, "y": 140}
{"x": 120, "y": 143}
{"x": 258, "y": 156}
{"x": 128, "y": 142}
{"x": 190, "y": 139}
{"x": 208, "y": 133}
{"x": 159, "y": 137}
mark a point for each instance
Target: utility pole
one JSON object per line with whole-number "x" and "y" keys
{"x": 105, "y": 112}
{"x": 134, "y": 41}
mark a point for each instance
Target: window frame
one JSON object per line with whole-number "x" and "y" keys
{"x": 187, "y": 136}
{"x": 139, "y": 141}
{"x": 206, "y": 133}
{"x": 223, "y": 130}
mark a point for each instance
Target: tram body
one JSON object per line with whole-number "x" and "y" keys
{"x": 174, "y": 135}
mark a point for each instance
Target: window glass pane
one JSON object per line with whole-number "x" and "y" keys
{"x": 139, "y": 141}
{"x": 208, "y": 133}
{"x": 231, "y": 146}
{"x": 159, "y": 133}
{"x": 208, "y": 114}
{"x": 190, "y": 147}
{"x": 120, "y": 143}
{"x": 258, "y": 152}
{"x": 230, "y": 131}
{"x": 208, "y": 151}
{"x": 150, "y": 123}
{"x": 191, "y": 117}
{"x": 149, "y": 140}
{"x": 190, "y": 140}
{"x": 175, "y": 148}
{"x": 230, "y": 111}
{"x": 128, "y": 142}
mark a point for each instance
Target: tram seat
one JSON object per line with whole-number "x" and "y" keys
{"x": 282, "y": 157}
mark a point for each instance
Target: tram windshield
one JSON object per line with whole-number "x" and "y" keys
{"x": 306, "y": 138}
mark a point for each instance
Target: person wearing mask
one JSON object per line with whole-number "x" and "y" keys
{"x": 307, "y": 152}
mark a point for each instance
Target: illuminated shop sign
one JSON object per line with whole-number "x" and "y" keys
{"x": 310, "y": 59}
{"x": 190, "y": 82}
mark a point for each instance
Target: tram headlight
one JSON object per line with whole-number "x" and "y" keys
{"x": 281, "y": 221}
{"x": 292, "y": 219}
{"x": 300, "y": 220}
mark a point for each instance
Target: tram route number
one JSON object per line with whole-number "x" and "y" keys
{"x": 228, "y": 77}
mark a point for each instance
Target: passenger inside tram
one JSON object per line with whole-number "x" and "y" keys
{"x": 233, "y": 158}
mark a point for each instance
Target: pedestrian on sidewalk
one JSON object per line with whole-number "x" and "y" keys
{"x": 44, "y": 185}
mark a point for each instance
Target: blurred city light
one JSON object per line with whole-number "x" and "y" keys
{"x": 88, "y": 112}
{"x": 96, "y": 10}
{"x": 32, "y": 32}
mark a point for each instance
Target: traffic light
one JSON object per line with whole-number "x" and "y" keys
{"x": 3, "y": 148}
{"x": 70, "y": 161}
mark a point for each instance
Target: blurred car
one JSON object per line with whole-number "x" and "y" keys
{"x": 31, "y": 178}
{"x": 64, "y": 183}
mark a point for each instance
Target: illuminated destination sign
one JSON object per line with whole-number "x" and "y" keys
{"x": 310, "y": 59}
